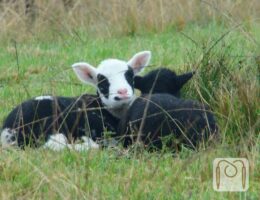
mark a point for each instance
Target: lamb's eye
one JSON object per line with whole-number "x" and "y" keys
{"x": 129, "y": 75}
{"x": 103, "y": 85}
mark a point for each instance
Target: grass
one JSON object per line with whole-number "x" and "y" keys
{"x": 105, "y": 175}
{"x": 226, "y": 59}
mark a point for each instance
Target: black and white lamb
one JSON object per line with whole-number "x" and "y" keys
{"x": 160, "y": 118}
{"x": 56, "y": 122}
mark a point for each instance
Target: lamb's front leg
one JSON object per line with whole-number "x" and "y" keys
{"x": 56, "y": 142}
{"x": 87, "y": 144}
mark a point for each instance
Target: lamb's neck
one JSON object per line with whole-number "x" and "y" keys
{"x": 118, "y": 112}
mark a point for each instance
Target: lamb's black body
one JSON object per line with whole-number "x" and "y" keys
{"x": 187, "y": 121}
{"x": 36, "y": 120}
{"x": 161, "y": 114}
{"x": 162, "y": 81}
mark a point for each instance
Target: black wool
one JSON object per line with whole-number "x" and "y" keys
{"x": 34, "y": 121}
{"x": 162, "y": 81}
{"x": 160, "y": 115}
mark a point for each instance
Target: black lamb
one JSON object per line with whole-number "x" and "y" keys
{"x": 162, "y": 80}
{"x": 160, "y": 118}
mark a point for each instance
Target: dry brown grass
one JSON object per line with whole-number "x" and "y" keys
{"x": 121, "y": 16}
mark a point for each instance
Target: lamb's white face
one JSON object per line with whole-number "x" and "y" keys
{"x": 114, "y": 79}
{"x": 115, "y": 83}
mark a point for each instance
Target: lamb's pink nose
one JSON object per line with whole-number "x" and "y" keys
{"x": 122, "y": 92}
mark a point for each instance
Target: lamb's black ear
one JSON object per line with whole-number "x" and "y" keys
{"x": 138, "y": 82}
{"x": 184, "y": 78}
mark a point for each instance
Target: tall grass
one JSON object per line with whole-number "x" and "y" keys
{"x": 121, "y": 17}
{"x": 230, "y": 85}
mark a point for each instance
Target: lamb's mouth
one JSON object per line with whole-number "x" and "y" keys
{"x": 117, "y": 98}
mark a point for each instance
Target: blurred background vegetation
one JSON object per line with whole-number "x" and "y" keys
{"x": 121, "y": 17}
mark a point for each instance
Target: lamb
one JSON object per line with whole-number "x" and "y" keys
{"x": 162, "y": 80}
{"x": 57, "y": 121}
{"x": 159, "y": 118}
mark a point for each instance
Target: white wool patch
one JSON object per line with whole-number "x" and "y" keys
{"x": 59, "y": 142}
{"x": 8, "y": 137}
{"x": 56, "y": 142}
{"x": 40, "y": 98}
{"x": 111, "y": 67}
{"x": 90, "y": 142}
{"x": 86, "y": 145}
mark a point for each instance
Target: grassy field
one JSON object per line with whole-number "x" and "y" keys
{"x": 226, "y": 57}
